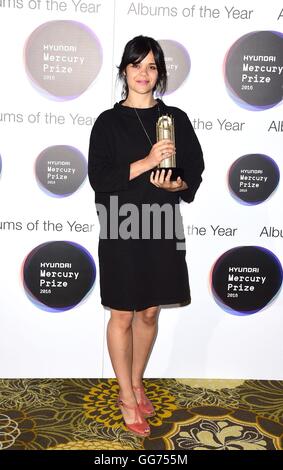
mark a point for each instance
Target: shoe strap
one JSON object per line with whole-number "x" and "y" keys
{"x": 135, "y": 408}
{"x": 139, "y": 389}
{"x": 122, "y": 403}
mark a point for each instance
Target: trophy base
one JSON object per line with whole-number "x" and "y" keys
{"x": 174, "y": 175}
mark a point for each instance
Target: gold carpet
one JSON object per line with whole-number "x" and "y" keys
{"x": 191, "y": 414}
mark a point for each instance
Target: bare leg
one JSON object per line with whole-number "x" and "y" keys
{"x": 145, "y": 327}
{"x": 120, "y": 346}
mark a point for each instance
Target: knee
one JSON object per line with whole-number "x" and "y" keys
{"x": 149, "y": 316}
{"x": 123, "y": 321}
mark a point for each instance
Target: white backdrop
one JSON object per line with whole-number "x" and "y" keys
{"x": 202, "y": 339}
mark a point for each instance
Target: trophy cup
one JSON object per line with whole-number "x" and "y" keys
{"x": 165, "y": 130}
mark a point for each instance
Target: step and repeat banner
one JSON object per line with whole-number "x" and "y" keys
{"x": 58, "y": 73}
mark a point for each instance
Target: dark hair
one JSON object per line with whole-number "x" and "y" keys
{"x": 135, "y": 51}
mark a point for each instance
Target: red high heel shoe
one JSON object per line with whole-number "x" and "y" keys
{"x": 145, "y": 405}
{"x": 139, "y": 427}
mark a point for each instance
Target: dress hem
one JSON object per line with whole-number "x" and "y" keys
{"x": 153, "y": 303}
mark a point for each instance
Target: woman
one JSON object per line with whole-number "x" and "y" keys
{"x": 141, "y": 267}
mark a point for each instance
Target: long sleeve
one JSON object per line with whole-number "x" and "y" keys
{"x": 104, "y": 174}
{"x": 192, "y": 160}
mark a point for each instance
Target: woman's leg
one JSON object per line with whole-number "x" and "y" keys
{"x": 145, "y": 327}
{"x": 120, "y": 347}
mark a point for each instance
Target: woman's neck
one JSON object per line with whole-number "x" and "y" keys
{"x": 140, "y": 101}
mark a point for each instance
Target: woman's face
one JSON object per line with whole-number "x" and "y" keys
{"x": 142, "y": 77}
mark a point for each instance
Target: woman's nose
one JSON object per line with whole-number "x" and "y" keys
{"x": 143, "y": 71}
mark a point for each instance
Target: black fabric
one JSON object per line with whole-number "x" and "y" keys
{"x": 137, "y": 273}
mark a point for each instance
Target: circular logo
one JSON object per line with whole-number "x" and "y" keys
{"x": 253, "y": 70}
{"x": 60, "y": 169}
{"x": 245, "y": 279}
{"x": 62, "y": 58}
{"x": 253, "y": 178}
{"x": 58, "y": 275}
{"x": 178, "y": 63}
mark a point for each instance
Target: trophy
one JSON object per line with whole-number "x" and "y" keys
{"x": 165, "y": 130}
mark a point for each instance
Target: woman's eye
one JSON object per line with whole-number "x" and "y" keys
{"x": 153, "y": 67}
{"x": 135, "y": 65}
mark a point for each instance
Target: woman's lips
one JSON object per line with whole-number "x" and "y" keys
{"x": 142, "y": 82}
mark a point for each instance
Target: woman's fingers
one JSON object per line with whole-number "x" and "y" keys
{"x": 168, "y": 176}
{"x": 154, "y": 178}
{"x": 165, "y": 147}
{"x": 160, "y": 181}
{"x": 178, "y": 183}
{"x": 161, "y": 178}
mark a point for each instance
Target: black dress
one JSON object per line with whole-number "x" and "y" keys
{"x": 140, "y": 265}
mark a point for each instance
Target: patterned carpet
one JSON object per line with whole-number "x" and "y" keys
{"x": 191, "y": 414}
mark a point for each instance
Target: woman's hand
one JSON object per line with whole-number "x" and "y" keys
{"x": 160, "y": 182}
{"x": 159, "y": 151}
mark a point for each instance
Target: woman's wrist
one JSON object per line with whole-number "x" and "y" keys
{"x": 147, "y": 164}
{"x": 139, "y": 167}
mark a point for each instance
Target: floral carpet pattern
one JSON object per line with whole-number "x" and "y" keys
{"x": 191, "y": 414}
